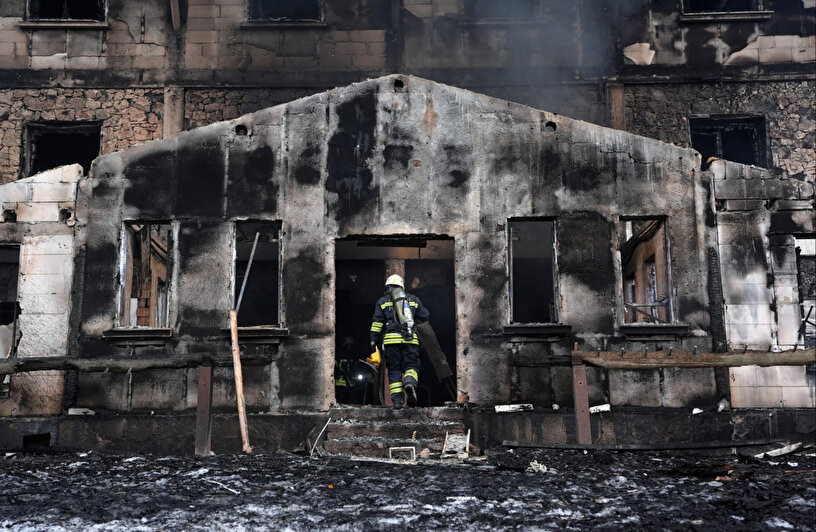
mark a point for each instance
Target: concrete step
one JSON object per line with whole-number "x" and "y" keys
{"x": 394, "y": 429}
{"x": 385, "y": 414}
{"x": 378, "y": 447}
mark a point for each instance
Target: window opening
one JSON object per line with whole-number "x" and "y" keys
{"x": 144, "y": 273}
{"x": 705, "y": 6}
{"x": 66, "y": 10}
{"x": 361, "y": 267}
{"x": 52, "y": 144}
{"x": 737, "y": 139}
{"x": 806, "y": 273}
{"x": 646, "y": 273}
{"x": 9, "y": 308}
{"x": 532, "y": 271}
{"x": 284, "y": 10}
{"x": 262, "y": 293}
{"x": 507, "y": 9}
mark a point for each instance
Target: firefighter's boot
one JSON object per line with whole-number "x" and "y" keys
{"x": 397, "y": 395}
{"x": 409, "y": 383}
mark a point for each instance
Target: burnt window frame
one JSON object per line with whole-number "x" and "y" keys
{"x": 622, "y": 312}
{"x": 471, "y": 17}
{"x": 170, "y": 276}
{"x": 32, "y": 15}
{"x": 252, "y": 18}
{"x": 36, "y": 127}
{"x": 735, "y": 121}
{"x": 555, "y": 310}
{"x": 236, "y": 284}
{"x": 690, "y": 14}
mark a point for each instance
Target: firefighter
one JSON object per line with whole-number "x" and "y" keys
{"x": 393, "y": 325}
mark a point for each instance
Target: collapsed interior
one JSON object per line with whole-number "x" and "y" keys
{"x": 143, "y": 275}
{"x": 362, "y": 265}
{"x": 645, "y": 270}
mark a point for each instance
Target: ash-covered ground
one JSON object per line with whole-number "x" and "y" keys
{"x": 525, "y": 489}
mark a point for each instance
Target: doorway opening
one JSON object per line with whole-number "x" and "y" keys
{"x": 361, "y": 267}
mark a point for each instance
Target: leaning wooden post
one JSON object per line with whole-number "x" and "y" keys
{"x": 236, "y": 354}
{"x": 239, "y": 381}
{"x": 581, "y": 398}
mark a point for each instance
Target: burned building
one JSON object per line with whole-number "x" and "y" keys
{"x": 682, "y": 221}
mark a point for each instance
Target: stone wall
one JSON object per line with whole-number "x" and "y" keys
{"x": 661, "y": 111}
{"x": 128, "y": 116}
{"x": 44, "y": 205}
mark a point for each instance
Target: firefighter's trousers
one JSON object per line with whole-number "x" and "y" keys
{"x": 402, "y": 361}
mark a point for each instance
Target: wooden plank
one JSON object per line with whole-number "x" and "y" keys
{"x": 203, "y": 434}
{"x": 580, "y": 395}
{"x": 688, "y": 359}
{"x": 124, "y": 365}
{"x": 239, "y": 378}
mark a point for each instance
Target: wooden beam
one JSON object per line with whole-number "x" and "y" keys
{"x": 124, "y": 365}
{"x": 580, "y": 394}
{"x": 688, "y": 359}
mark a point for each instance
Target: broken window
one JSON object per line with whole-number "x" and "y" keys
{"x": 706, "y": 6}
{"x": 737, "y": 139}
{"x": 532, "y": 271}
{"x": 806, "y": 270}
{"x": 52, "y": 144}
{"x": 144, "y": 274}
{"x": 260, "y": 302}
{"x": 646, "y": 273}
{"x": 506, "y": 9}
{"x": 66, "y": 10}
{"x": 9, "y": 308}
{"x": 284, "y": 10}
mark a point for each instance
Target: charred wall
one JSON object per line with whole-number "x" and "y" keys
{"x": 394, "y": 156}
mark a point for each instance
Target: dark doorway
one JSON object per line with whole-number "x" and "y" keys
{"x": 361, "y": 266}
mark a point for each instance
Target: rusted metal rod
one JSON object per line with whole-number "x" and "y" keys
{"x": 675, "y": 358}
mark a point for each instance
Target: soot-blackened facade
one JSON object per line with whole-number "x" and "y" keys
{"x": 395, "y": 157}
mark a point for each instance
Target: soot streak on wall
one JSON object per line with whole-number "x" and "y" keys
{"x": 350, "y": 147}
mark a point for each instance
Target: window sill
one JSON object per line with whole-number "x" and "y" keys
{"x": 287, "y": 25}
{"x": 653, "y": 329}
{"x": 63, "y": 25}
{"x": 536, "y": 332}
{"x": 139, "y": 335}
{"x": 502, "y": 22}
{"x": 725, "y": 16}
{"x": 259, "y": 334}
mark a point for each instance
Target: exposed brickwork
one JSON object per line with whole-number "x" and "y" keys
{"x": 661, "y": 112}
{"x": 128, "y": 116}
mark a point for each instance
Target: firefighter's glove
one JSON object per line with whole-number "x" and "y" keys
{"x": 374, "y": 359}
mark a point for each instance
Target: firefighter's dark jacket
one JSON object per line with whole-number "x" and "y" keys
{"x": 386, "y": 329}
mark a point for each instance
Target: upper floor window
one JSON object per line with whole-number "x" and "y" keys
{"x": 532, "y": 271}
{"x": 735, "y": 138}
{"x": 144, "y": 274}
{"x": 285, "y": 10}
{"x": 261, "y": 292}
{"x": 646, "y": 272}
{"x": 51, "y": 144}
{"x": 709, "y": 6}
{"x": 66, "y": 10}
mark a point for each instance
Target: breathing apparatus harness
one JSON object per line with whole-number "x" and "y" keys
{"x": 402, "y": 310}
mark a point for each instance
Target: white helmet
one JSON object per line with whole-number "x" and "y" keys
{"x": 395, "y": 280}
